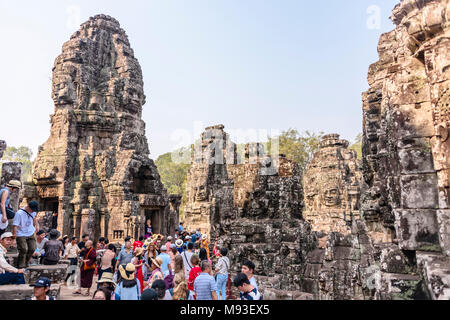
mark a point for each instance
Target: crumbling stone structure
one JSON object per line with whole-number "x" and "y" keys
{"x": 400, "y": 248}
{"x": 406, "y": 137}
{"x": 2, "y": 148}
{"x": 252, "y": 205}
{"x": 332, "y": 187}
{"x": 94, "y": 170}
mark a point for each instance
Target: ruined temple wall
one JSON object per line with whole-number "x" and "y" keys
{"x": 405, "y": 128}
{"x": 94, "y": 167}
{"x": 332, "y": 187}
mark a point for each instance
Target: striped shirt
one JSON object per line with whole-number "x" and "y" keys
{"x": 252, "y": 295}
{"x": 204, "y": 285}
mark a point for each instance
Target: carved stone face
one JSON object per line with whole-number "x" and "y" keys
{"x": 310, "y": 199}
{"x": 200, "y": 194}
{"x": 64, "y": 92}
{"x": 331, "y": 196}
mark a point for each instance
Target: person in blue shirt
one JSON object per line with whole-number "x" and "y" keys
{"x": 180, "y": 228}
{"x": 165, "y": 260}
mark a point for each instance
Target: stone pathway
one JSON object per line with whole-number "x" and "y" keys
{"x": 66, "y": 292}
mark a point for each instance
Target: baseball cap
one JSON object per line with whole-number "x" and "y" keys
{"x": 6, "y": 235}
{"x": 163, "y": 248}
{"x": 42, "y": 282}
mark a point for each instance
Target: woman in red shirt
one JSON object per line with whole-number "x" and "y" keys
{"x": 193, "y": 274}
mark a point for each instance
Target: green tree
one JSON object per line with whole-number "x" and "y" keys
{"x": 297, "y": 147}
{"x": 173, "y": 174}
{"x": 357, "y": 145}
{"x": 21, "y": 154}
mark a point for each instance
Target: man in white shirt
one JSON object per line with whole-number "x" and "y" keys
{"x": 24, "y": 227}
{"x": 248, "y": 268}
{"x": 8, "y": 274}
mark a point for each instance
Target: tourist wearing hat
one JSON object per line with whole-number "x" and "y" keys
{"x": 128, "y": 287}
{"x": 205, "y": 244}
{"x": 24, "y": 228}
{"x": 156, "y": 271}
{"x": 8, "y": 273}
{"x": 41, "y": 289}
{"x": 106, "y": 282}
{"x": 5, "y": 206}
{"x": 53, "y": 249}
{"x": 179, "y": 245}
{"x": 138, "y": 261}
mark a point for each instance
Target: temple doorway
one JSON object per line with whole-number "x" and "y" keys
{"x": 155, "y": 216}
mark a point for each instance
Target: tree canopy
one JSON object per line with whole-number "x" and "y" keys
{"x": 21, "y": 154}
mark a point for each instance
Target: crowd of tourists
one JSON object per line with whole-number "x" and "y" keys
{"x": 153, "y": 267}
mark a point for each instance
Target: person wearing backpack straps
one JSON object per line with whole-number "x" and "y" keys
{"x": 6, "y": 211}
{"x": 222, "y": 268}
{"x": 24, "y": 228}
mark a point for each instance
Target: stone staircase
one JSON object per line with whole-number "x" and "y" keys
{"x": 56, "y": 273}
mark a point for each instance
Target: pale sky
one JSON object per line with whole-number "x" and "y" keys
{"x": 247, "y": 64}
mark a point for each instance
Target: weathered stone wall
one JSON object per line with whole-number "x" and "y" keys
{"x": 94, "y": 170}
{"x": 2, "y": 148}
{"x": 252, "y": 206}
{"x": 332, "y": 187}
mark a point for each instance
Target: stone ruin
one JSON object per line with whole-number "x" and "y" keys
{"x": 332, "y": 187}
{"x": 406, "y": 143}
{"x": 400, "y": 248}
{"x": 95, "y": 170}
{"x": 252, "y": 205}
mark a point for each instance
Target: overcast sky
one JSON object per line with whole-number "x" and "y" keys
{"x": 247, "y": 64}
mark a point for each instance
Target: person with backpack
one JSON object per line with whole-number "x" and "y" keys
{"x": 6, "y": 211}
{"x": 128, "y": 287}
{"x": 221, "y": 272}
{"x": 24, "y": 228}
{"x": 187, "y": 255}
{"x": 53, "y": 249}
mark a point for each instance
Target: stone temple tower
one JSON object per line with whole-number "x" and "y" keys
{"x": 95, "y": 170}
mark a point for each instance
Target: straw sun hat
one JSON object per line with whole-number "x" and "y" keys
{"x": 179, "y": 243}
{"x": 157, "y": 261}
{"x": 128, "y": 271}
{"x": 14, "y": 184}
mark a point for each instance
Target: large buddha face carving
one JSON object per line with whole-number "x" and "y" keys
{"x": 200, "y": 193}
{"x": 64, "y": 92}
{"x": 331, "y": 196}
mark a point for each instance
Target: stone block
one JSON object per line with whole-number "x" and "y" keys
{"x": 435, "y": 269}
{"x": 443, "y": 217}
{"x": 417, "y": 230}
{"x": 56, "y": 273}
{"x": 419, "y": 191}
{"x": 24, "y": 291}
{"x": 273, "y": 294}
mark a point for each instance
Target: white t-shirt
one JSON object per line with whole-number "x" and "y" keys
{"x": 3, "y": 226}
{"x": 24, "y": 223}
{"x": 187, "y": 262}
